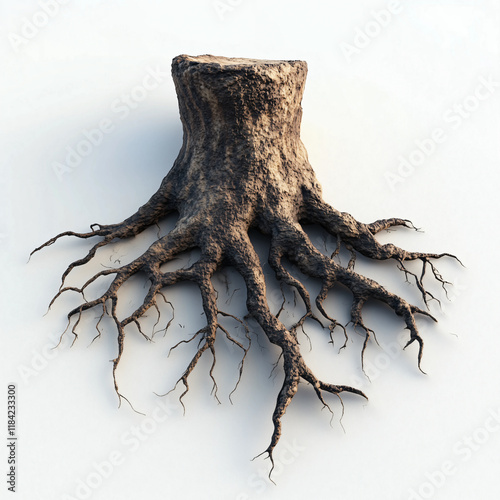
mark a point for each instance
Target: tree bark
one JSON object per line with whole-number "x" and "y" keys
{"x": 242, "y": 165}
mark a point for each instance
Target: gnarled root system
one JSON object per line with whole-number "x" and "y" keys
{"x": 243, "y": 166}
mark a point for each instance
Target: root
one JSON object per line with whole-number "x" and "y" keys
{"x": 159, "y": 206}
{"x": 284, "y": 276}
{"x": 327, "y": 286}
{"x": 386, "y": 224}
{"x": 293, "y": 364}
{"x": 288, "y": 240}
{"x": 300, "y": 251}
{"x": 359, "y": 237}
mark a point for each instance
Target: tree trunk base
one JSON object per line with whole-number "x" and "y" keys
{"x": 242, "y": 165}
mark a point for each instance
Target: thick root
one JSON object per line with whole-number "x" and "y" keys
{"x": 288, "y": 240}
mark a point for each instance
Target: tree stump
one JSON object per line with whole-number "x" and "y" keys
{"x": 242, "y": 165}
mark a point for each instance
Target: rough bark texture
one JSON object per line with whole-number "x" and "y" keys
{"x": 242, "y": 165}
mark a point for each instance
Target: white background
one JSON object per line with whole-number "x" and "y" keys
{"x": 368, "y": 99}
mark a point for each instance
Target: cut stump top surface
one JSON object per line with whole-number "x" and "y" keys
{"x": 234, "y": 62}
